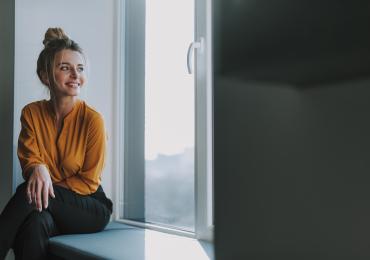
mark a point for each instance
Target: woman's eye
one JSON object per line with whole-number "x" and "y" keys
{"x": 80, "y": 69}
{"x": 64, "y": 68}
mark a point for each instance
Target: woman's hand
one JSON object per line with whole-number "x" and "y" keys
{"x": 39, "y": 187}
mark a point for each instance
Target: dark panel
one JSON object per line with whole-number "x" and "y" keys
{"x": 7, "y": 20}
{"x": 292, "y": 171}
{"x": 292, "y": 142}
{"x": 300, "y": 42}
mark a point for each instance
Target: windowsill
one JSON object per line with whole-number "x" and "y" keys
{"x": 121, "y": 241}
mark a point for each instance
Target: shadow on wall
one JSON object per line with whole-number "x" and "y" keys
{"x": 297, "y": 164}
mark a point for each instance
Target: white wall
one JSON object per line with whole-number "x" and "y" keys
{"x": 91, "y": 23}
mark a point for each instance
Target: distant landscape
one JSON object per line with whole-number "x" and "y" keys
{"x": 169, "y": 190}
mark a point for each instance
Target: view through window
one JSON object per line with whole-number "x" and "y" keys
{"x": 169, "y": 115}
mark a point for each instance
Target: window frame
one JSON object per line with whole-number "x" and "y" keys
{"x": 129, "y": 17}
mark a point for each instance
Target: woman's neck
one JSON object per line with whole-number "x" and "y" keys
{"x": 62, "y": 106}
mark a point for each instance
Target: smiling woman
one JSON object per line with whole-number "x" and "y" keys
{"x": 61, "y": 149}
{"x": 65, "y": 71}
{"x": 69, "y": 73}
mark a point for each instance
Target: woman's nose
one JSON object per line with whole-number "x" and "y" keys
{"x": 74, "y": 73}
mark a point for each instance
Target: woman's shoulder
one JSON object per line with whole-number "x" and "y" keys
{"x": 91, "y": 113}
{"x": 35, "y": 106}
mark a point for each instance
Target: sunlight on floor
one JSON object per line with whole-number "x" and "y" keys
{"x": 167, "y": 247}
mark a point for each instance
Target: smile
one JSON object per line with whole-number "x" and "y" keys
{"x": 73, "y": 84}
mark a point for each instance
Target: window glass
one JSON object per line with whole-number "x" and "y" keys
{"x": 169, "y": 114}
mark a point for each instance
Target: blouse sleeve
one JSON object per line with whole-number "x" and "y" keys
{"x": 88, "y": 179}
{"x": 28, "y": 150}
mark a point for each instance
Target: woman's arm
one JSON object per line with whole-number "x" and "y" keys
{"x": 88, "y": 179}
{"x": 28, "y": 151}
{"x": 34, "y": 170}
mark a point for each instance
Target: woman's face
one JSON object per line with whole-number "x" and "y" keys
{"x": 69, "y": 73}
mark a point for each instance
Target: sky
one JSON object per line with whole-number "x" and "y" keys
{"x": 169, "y": 90}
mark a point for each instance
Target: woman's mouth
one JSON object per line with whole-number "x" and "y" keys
{"x": 73, "y": 84}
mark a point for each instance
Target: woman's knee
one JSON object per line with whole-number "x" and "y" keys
{"x": 39, "y": 223}
{"x": 21, "y": 192}
{"x": 22, "y": 188}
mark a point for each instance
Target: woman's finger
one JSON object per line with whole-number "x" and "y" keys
{"x": 51, "y": 191}
{"x": 28, "y": 192}
{"x": 33, "y": 191}
{"x": 45, "y": 196}
{"x": 38, "y": 195}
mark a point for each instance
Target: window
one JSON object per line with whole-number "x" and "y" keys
{"x": 165, "y": 117}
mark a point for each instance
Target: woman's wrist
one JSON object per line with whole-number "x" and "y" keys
{"x": 37, "y": 168}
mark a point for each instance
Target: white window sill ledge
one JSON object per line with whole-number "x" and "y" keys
{"x": 125, "y": 242}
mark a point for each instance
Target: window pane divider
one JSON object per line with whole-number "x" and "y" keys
{"x": 204, "y": 123}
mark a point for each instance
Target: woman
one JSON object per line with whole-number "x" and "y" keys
{"x": 61, "y": 149}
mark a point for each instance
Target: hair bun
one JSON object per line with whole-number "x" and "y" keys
{"x": 53, "y": 34}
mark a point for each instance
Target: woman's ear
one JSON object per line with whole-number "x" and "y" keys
{"x": 45, "y": 79}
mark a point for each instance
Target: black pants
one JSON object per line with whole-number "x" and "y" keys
{"x": 27, "y": 231}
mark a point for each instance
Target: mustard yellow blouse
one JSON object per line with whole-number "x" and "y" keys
{"x": 75, "y": 157}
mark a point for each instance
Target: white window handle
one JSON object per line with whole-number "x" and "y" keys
{"x": 192, "y": 46}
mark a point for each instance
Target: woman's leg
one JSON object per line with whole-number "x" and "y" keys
{"x": 71, "y": 212}
{"x": 74, "y": 213}
{"x": 31, "y": 241}
{"x": 12, "y": 217}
